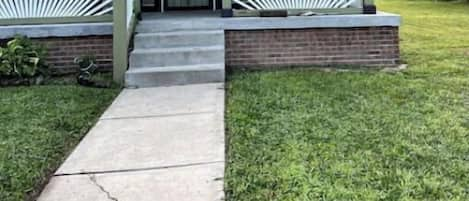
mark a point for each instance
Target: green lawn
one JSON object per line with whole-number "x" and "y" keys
{"x": 39, "y": 126}
{"x": 311, "y": 135}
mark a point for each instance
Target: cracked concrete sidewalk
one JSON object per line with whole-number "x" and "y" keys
{"x": 164, "y": 143}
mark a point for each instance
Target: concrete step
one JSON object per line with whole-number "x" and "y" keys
{"x": 175, "y": 75}
{"x": 178, "y": 25}
{"x": 177, "y": 56}
{"x": 180, "y": 39}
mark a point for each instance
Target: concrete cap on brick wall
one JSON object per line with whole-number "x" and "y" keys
{"x": 323, "y": 21}
{"x": 56, "y": 30}
{"x": 381, "y": 19}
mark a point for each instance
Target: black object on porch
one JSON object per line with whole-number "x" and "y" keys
{"x": 156, "y": 5}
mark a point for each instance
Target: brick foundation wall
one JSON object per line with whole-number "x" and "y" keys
{"x": 61, "y": 51}
{"x": 369, "y": 46}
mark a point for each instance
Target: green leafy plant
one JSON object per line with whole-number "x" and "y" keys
{"x": 21, "y": 58}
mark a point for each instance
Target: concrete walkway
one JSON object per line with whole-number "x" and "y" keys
{"x": 152, "y": 144}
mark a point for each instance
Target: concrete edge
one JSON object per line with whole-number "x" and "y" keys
{"x": 326, "y": 21}
{"x": 56, "y": 30}
{"x": 381, "y": 19}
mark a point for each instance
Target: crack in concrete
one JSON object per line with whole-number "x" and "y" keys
{"x": 108, "y": 194}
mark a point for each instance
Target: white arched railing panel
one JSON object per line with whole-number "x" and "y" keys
{"x": 13, "y": 9}
{"x": 294, "y": 4}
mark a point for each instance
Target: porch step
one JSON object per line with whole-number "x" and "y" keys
{"x": 177, "y": 56}
{"x": 166, "y": 55}
{"x": 175, "y": 75}
{"x": 179, "y": 39}
{"x": 178, "y": 25}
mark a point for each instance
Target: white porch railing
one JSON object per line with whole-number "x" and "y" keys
{"x": 295, "y": 4}
{"x": 17, "y": 9}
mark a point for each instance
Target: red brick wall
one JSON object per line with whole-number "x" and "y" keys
{"x": 63, "y": 50}
{"x": 371, "y": 46}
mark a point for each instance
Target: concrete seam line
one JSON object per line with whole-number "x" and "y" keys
{"x": 157, "y": 116}
{"x": 138, "y": 169}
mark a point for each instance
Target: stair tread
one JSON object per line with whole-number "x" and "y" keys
{"x": 182, "y": 32}
{"x": 182, "y": 68}
{"x": 178, "y": 49}
{"x": 161, "y": 27}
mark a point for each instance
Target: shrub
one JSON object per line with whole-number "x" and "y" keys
{"x": 21, "y": 58}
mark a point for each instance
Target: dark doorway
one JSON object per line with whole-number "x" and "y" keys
{"x": 151, "y": 5}
{"x": 155, "y": 5}
{"x": 188, "y": 4}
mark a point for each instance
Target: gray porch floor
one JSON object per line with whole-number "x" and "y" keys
{"x": 153, "y": 22}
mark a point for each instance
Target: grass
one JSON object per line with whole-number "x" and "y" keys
{"x": 39, "y": 126}
{"x": 311, "y": 135}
